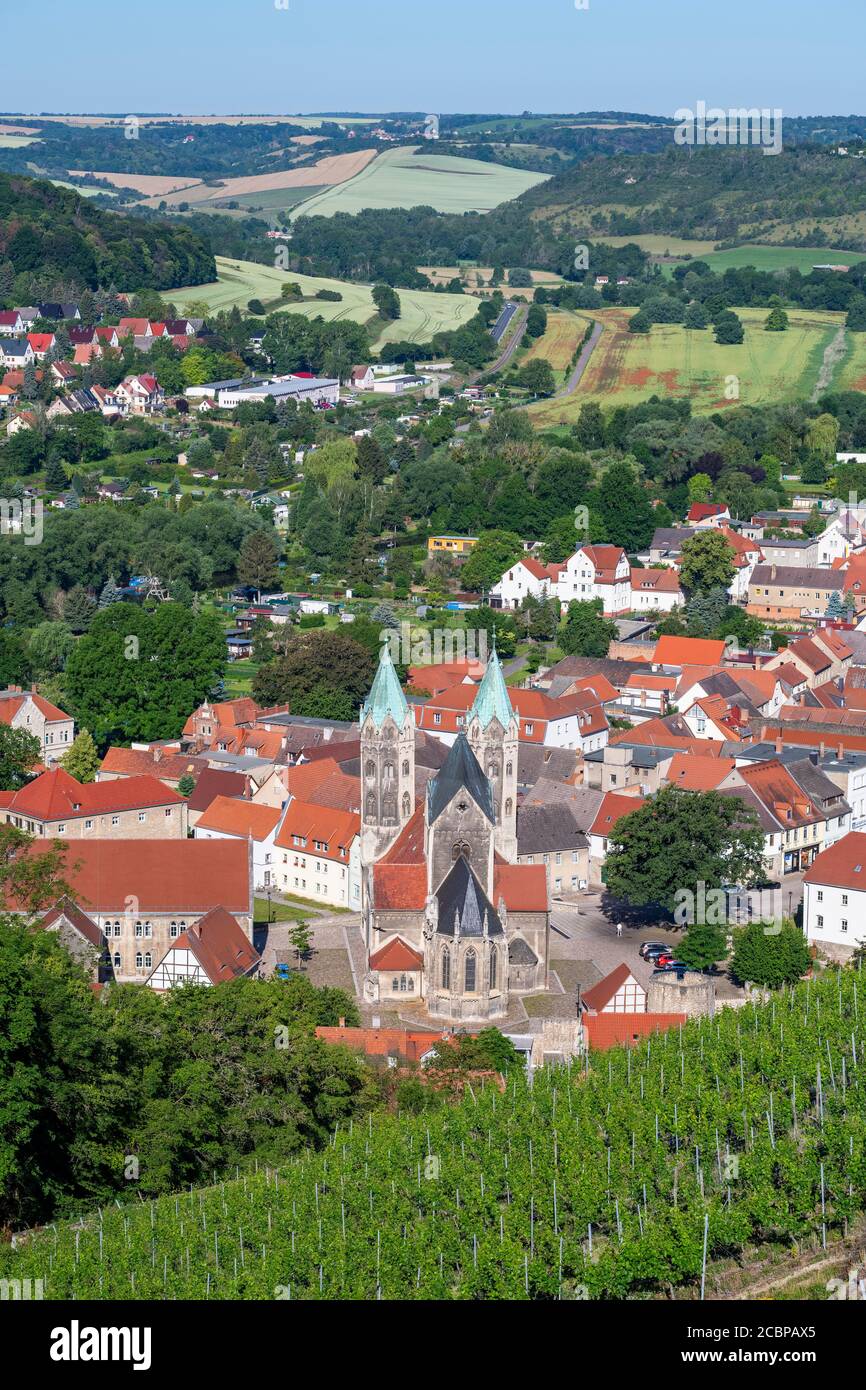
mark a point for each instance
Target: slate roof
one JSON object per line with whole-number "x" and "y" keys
{"x": 463, "y": 902}
{"x": 541, "y": 829}
{"x": 521, "y": 953}
{"x": 461, "y": 770}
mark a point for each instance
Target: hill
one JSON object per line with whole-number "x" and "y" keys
{"x": 587, "y": 1184}
{"x": 50, "y": 234}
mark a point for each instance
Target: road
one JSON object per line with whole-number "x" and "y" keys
{"x": 582, "y": 363}
{"x": 497, "y": 332}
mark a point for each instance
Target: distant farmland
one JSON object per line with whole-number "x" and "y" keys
{"x": 627, "y": 368}
{"x": 332, "y": 169}
{"x": 401, "y": 179}
{"x": 563, "y": 337}
{"x": 424, "y": 313}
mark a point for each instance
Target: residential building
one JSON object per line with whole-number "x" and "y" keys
{"x": 55, "y": 805}
{"x": 140, "y": 395}
{"x": 550, "y": 835}
{"x": 459, "y": 547}
{"x": 834, "y": 897}
{"x": 230, "y": 818}
{"x": 26, "y": 709}
{"x": 16, "y": 352}
{"x": 784, "y": 593}
{"x": 317, "y": 854}
{"x": 210, "y": 951}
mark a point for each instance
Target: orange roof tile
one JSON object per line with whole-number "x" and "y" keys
{"x": 333, "y": 830}
{"x": 843, "y": 865}
{"x": 229, "y": 815}
{"x": 55, "y": 796}
{"x": 396, "y": 955}
{"x": 688, "y": 651}
{"x": 611, "y": 1030}
{"x": 697, "y": 774}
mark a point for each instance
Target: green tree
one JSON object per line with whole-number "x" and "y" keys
{"x": 186, "y": 785}
{"x": 387, "y": 302}
{"x": 678, "y": 840}
{"x": 257, "y": 561}
{"x": 312, "y": 660}
{"x": 537, "y": 376}
{"x": 81, "y": 760}
{"x": 50, "y": 647}
{"x": 770, "y": 955}
{"x": 490, "y": 558}
{"x": 586, "y": 631}
{"x": 707, "y": 562}
{"x": 696, "y": 316}
{"x": 729, "y": 328}
{"x": 301, "y": 940}
{"x": 110, "y": 594}
{"x": 702, "y": 946}
{"x": 20, "y": 752}
{"x": 777, "y": 321}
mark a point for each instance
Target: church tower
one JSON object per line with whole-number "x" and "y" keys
{"x": 387, "y": 763}
{"x": 493, "y": 731}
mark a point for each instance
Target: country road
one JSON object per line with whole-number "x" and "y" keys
{"x": 582, "y": 363}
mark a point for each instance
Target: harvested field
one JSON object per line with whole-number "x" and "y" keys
{"x": 310, "y": 122}
{"x": 18, "y": 129}
{"x": 151, "y": 184}
{"x": 333, "y": 169}
{"x": 559, "y": 344}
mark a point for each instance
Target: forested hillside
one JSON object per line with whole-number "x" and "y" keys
{"x": 53, "y": 235}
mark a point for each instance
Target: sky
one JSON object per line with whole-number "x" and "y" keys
{"x": 201, "y": 57}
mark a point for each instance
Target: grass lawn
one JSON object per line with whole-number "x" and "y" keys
{"x": 851, "y": 376}
{"x": 401, "y": 179}
{"x": 423, "y": 312}
{"x": 280, "y": 912}
{"x": 628, "y": 368}
{"x": 802, "y": 258}
{"x": 239, "y": 678}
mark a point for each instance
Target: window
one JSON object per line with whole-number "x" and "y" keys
{"x": 405, "y": 767}
{"x": 493, "y": 970}
{"x": 168, "y": 811}
{"x": 138, "y": 960}
{"x": 395, "y": 985}
{"x": 820, "y": 896}
{"x": 844, "y": 899}
{"x": 148, "y": 960}
{"x": 437, "y": 718}
{"x": 371, "y": 768}
{"x": 88, "y": 825}
{"x": 172, "y": 931}
{"x": 509, "y": 769}
{"x": 446, "y": 969}
{"x": 139, "y": 929}
{"x": 469, "y": 973}
{"x": 820, "y": 922}
{"x": 460, "y": 851}
{"x": 117, "y": 961}
{"x": 508, "y": 806}
{"x": 142, "y": 817}
{"x": 530, "y": 728}
{"x": 844, "y": 924}
{"x": 389, "y": 772}
{"x": 115, "y": 820}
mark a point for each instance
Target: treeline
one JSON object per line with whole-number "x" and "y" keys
{"x": 49, "y": 234}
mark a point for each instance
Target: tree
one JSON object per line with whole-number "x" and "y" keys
{"x": 110, "y": 594}
{"x": 696, "y": 316}
{"x": 537, "y": 376}
{"x": 678, "y": 840}
{"x": 625, "y": 508}
{"x": 490, "y": 558}
{"x": 50, "y": 647}
{"x": 313, "y": 660}
{"x": 78, "y": 609}
{"x": 589, "y": 430}
{"x": 702, "y": 946}
{"x": 20, "y": 752}
{"x": 707, "y": 562}
{"x": 777, "y": 321}
{"x": 81, "y": 760}
{"x": 856, "y": 319}
{"x": 729, "y": 328}
{"x": 822, "y": 436}
{"x": 536, "y": 321}
{"x": 769, "y": 955}
{"x": 586, "y": 631}
{"x": 387, "y": 302}
{"x": 186, "y": 785}
{"x": 700, "y": 487}
{"x": 257, "y": 561}
{"x": 301, "y": 940}
{"x": 55, "y": 475}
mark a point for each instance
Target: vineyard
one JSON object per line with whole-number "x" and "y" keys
{"x": 599, "y": 1182}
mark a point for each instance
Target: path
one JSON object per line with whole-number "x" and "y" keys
{"x": 582, "y": 363}
{"x": 833, "y": 355}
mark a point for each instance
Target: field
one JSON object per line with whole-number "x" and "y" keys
{"x": 442, "y": 274}
{"x": 851, "y": 376}
{"x": 332, "y": 169}
{"x": 559, "y": 344}
{"x": 659, "y": 245}
{"x": 307, "y": 122}
{"x": 803, "y": 258}
{"x": 150, "y": 184}
{"x": 400, "y": 179}
{"x": 628, "y": 368}
{"x": 83, "y": 192}
{"x": 424, "y": 313}
{"x": 17, "y": 142}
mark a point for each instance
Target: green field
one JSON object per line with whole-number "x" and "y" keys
{"x": 277, "y": 199}
{"x": 424, "y": 313}
{"x": 15, "y": 142}
{"x": 802, "y": 258}
{"x": 627, "y": 368}
{"x": 851, "y": 376}
{"x": 657, "y": 244}
{"x": 400, "y": 179}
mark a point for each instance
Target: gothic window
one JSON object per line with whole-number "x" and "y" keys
{"x": 460, "y": 851}
{"x": 469, "y": 973}
{"x": 389, "y": 808}
{"x": 492, "y": 771}
{"x": 406, "y": 767}
{"x": 371, "y": 806}
{"x": 493, "y": 969}
{"x": 138, "y": 960}
{"x": 407, "y": 805}
{"x": 446, "y": 968}
{"x": 371, "y": 768}
{"x": 462, "y": 807}
{"x": 509, "y": 769}
{"x": 389, "y": 772}
{"x": 508, "y": 806}
{"x": 117, "y": 961}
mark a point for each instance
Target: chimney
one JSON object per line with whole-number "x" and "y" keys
{"x": 840, "y": 752}
{"x": 772, "y": 571}
{"x": 780, "y": 746}
{"x": 822, "y": 749}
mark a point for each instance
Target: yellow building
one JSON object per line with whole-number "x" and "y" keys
{"x": 460, "y": 546}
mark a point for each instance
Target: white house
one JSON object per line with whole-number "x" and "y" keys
{"x": 655, "y": 591}
{"x": 211, "y": 950}
{"x": 317, "y": 854}
{"x": 526, "y": 577}
{"x": 597, "y": 572}
{"x": 230, "y": 818}
{"x": 140, "y": 395}
{"x": 25, "y": 709}
{"x": 16, "y": 352}
{"x": 834, "y": 895}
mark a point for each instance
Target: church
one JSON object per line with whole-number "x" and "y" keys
{"x": 450, "y": 919}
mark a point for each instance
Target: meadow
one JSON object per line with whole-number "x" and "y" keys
{"x": 401, "y": 179}
{"x": 802, "y": 258}
{"x": 626, "y": 368}
{"x": 559, "y": 343}
{"x": 424, "y": 313}
{"x": 331, "y": 169}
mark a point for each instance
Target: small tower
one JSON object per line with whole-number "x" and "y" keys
{"x": 493, "y": 731}
{"x": 387, "y": 763}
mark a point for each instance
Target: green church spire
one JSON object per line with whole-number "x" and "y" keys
{"x": 492, "y": 701}
{"x": 386, "y": 697}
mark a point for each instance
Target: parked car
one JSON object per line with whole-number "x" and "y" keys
{"x": 672, "y": 967}
{"x": 653, "y": 948}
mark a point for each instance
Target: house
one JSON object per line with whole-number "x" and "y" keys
{"x": 572, "y": 721}
{"x": 613, "y": 808}
{"x": 460, "y": 547}
{"x": 213, "y": 782}
{"x": 42, "y": 344}
{"x": 708, "y": 515}
{"x": 140, "y": 395}
{"x": 106, "y": 399}
{"x": 59, "y": 313}
{"x": 395, "y": 1044}
{"x": 29, "y": 314}
{"x": 597, "y": 572}
{"x": 168, "y": 764}
{"x": 317, "y": 854}
{"x": 673, "y": 653}
{"x": 56, "y": 805}
{"x": 144, "y": 894}
{"x": 78, "y": 402}
{"x": 821, "y": 658}
{"x": 618, "y": 993}
{"x": 605, "y": 1030}
{"x": 11, "y": 323}
{"x": 786, "y": 593}
{"x": 25, "y": 421}
{"x": 85, "y": 353}
{"x": 399, "y": 970}
{"x": 230, "y": 818}
{"x": 527, "y": 578}
{"x": 655, "y": 591}
{"x": 15, "y": 352}
{"x": 62, "y": 373}
{"x": 550, "y": 835}
{"x": 26, "y": 709}
{"x": 435, "y": 679}
{"x": 361, "y": 379}
{"x": 834, "y": 897}
{"x": 106, "y": 337}
{"x": 135, "y": 328}
{"x": 793, "y": 826}
{"x": 83, "y": 938}
{"x": 213, "y": 949}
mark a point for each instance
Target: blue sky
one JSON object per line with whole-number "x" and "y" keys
{"x": 203, "y": 56}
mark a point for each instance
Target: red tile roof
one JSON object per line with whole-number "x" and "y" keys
{"x": 612, "y": 810}
{"x": 688, "y": 651}
{"x": 659, "y": 581}
{"x": 599, "y": 995}
{"x": 843, "y": 865}
{"x": 383, "y": 1042}
{"x": 610, "y": 1030}
{"x": 137, "y": 762}
{"x": 220, "y": 946}
{"x": 702, "y": 511}
{"x": 335, "y": 830}
{"x": 396, "y": 955}
{"x": 11, "y": 702}
{"x": 55, "y": 796}
{"x": 697, "y": 774}
{"x": 522, "y": 887}
{"x": 230, "y": 816}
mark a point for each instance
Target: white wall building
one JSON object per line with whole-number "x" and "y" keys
{"x": 834, "y": 895}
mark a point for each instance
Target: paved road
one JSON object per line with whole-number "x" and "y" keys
{"x": 519, "y": 322}
{"x": 498, "y": 330}
{"x": 582, "y": 363}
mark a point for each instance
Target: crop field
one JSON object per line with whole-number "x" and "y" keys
{"x": 627, "y": 368}
{"x": 17, "y": 142}
{"x": 441, "y": 274}
{"x": 277, "y": 200}
{"x": 559, "y": 344}
{"x": 802, "y": 258}
{"x": 401, "y": 179}
{"x": 736, "y": 1134}
{"x": 332, "y": 169}
{"x": 150, "y": 184}
{"x": 658, "y": 244}
{"x": 83, "y": 192}
{"x": 851, "y": 376}
{"x": 424, "y": 313}
{"x": 306, "y": 122}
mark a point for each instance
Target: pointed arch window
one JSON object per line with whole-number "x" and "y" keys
{"x": 446, "y": 969}
{"x": 371, "y": 768}
{"x": 371, "y": 806}
{"x": 492, "y": 771}
{"x": 493, "y": 969}
{"x": 460, "y": 851}
{"x": 405, "y": 767}
{"x": 509, "y": 806}
{"x": 407, "y": 806}
{"x": 469, "y": 973}
{"x": 509, "y": 769}
{"x": 389, "y": 772}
